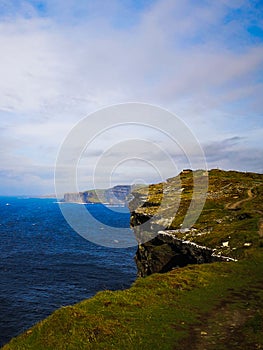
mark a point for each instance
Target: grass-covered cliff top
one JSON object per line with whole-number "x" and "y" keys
{"x": 210, "y": 306}
{"x": 231, "y": 219}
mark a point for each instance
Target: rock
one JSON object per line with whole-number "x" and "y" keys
{"x": 165, "y": 252}
{"x": 244, "y": 216}
{"x": 164, "y": 237}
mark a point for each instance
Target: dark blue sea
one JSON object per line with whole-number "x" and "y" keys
{"x": 45, "y": 264}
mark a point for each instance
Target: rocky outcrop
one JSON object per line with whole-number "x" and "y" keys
{"x": 158, "y": 212}
{"x": 166, "y": 252}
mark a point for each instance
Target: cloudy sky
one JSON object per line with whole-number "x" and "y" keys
{"x": 63, "y": 60}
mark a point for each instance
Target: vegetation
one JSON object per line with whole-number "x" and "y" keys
{"x": 210, "y": 306}
{"x": 231, "y": 216}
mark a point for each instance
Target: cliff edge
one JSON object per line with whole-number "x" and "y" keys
{"x": 228, "y": 225}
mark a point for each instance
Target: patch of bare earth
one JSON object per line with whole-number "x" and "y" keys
{"x": 237, "y": 204}
{"x": 260, "y": 227}
{"x": 225, "y": 327}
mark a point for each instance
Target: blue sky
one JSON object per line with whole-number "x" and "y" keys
{"x": 61, "y": 60}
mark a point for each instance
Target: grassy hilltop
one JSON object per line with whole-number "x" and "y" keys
{"x": 208, "y": 306}
{"x": 231, "y": 218}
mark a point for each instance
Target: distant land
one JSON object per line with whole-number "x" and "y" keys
{"x": 117, "y": 195}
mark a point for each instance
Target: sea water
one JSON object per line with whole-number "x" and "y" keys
{"x": 45, "y": 264}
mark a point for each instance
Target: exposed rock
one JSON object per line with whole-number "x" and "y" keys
{"x": 166, "y": 252}
{"x": 166, "y": 242}
{"x": 244, "y": 216}
{"x": 74, "y": 197}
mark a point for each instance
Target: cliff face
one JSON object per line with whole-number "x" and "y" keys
{"x": 115, "y": 195}
{"x": 118, "y": 194}
{"x": 228, "y": 225}
{"x": 166, "y": 252}
{"x": 74, "y": 197}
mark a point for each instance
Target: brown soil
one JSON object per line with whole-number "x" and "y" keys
{"x": 236, "y": 205}
{"x": 260, "y": 227}
{"x": 225, "y": 328}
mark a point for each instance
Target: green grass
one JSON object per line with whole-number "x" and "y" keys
{"x": 217, "y": 223}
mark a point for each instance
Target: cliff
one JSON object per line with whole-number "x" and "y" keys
{"x": 228, "y": 224}
{"x": 117, "y": 195}
{"x": 166, "y": 252}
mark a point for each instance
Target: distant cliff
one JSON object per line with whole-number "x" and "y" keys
{"x": 229, "y": 224}
{"x": 116, "y": 195}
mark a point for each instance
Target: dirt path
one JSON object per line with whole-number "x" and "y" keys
{"x": 237, "y": 204}
{"x": 226, "y": 326}
{"x": 260, "y": 227}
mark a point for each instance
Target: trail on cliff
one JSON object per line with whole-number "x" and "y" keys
{"x": 237, "y": 204}
{"x": 260, "y": 227}
{"x": 226, "y": 325}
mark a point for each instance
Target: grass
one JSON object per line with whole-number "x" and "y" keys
{"x": 217, "y": 223}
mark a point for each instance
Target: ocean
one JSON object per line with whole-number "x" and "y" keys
{"x": 45, "y": 264}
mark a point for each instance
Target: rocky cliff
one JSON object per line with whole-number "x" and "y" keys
{"x": 229, "y": 222}
{"x": 166, "y": 252}
{"x": 116, "y": 195}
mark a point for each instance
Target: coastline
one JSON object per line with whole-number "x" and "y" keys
{"x": 182, "y": 306}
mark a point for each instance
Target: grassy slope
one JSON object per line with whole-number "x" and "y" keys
{"x": 222, "y": 219}
{"x": 211, "y": 306}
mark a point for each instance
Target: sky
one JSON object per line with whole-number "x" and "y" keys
{"x": 61, "y": 61}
